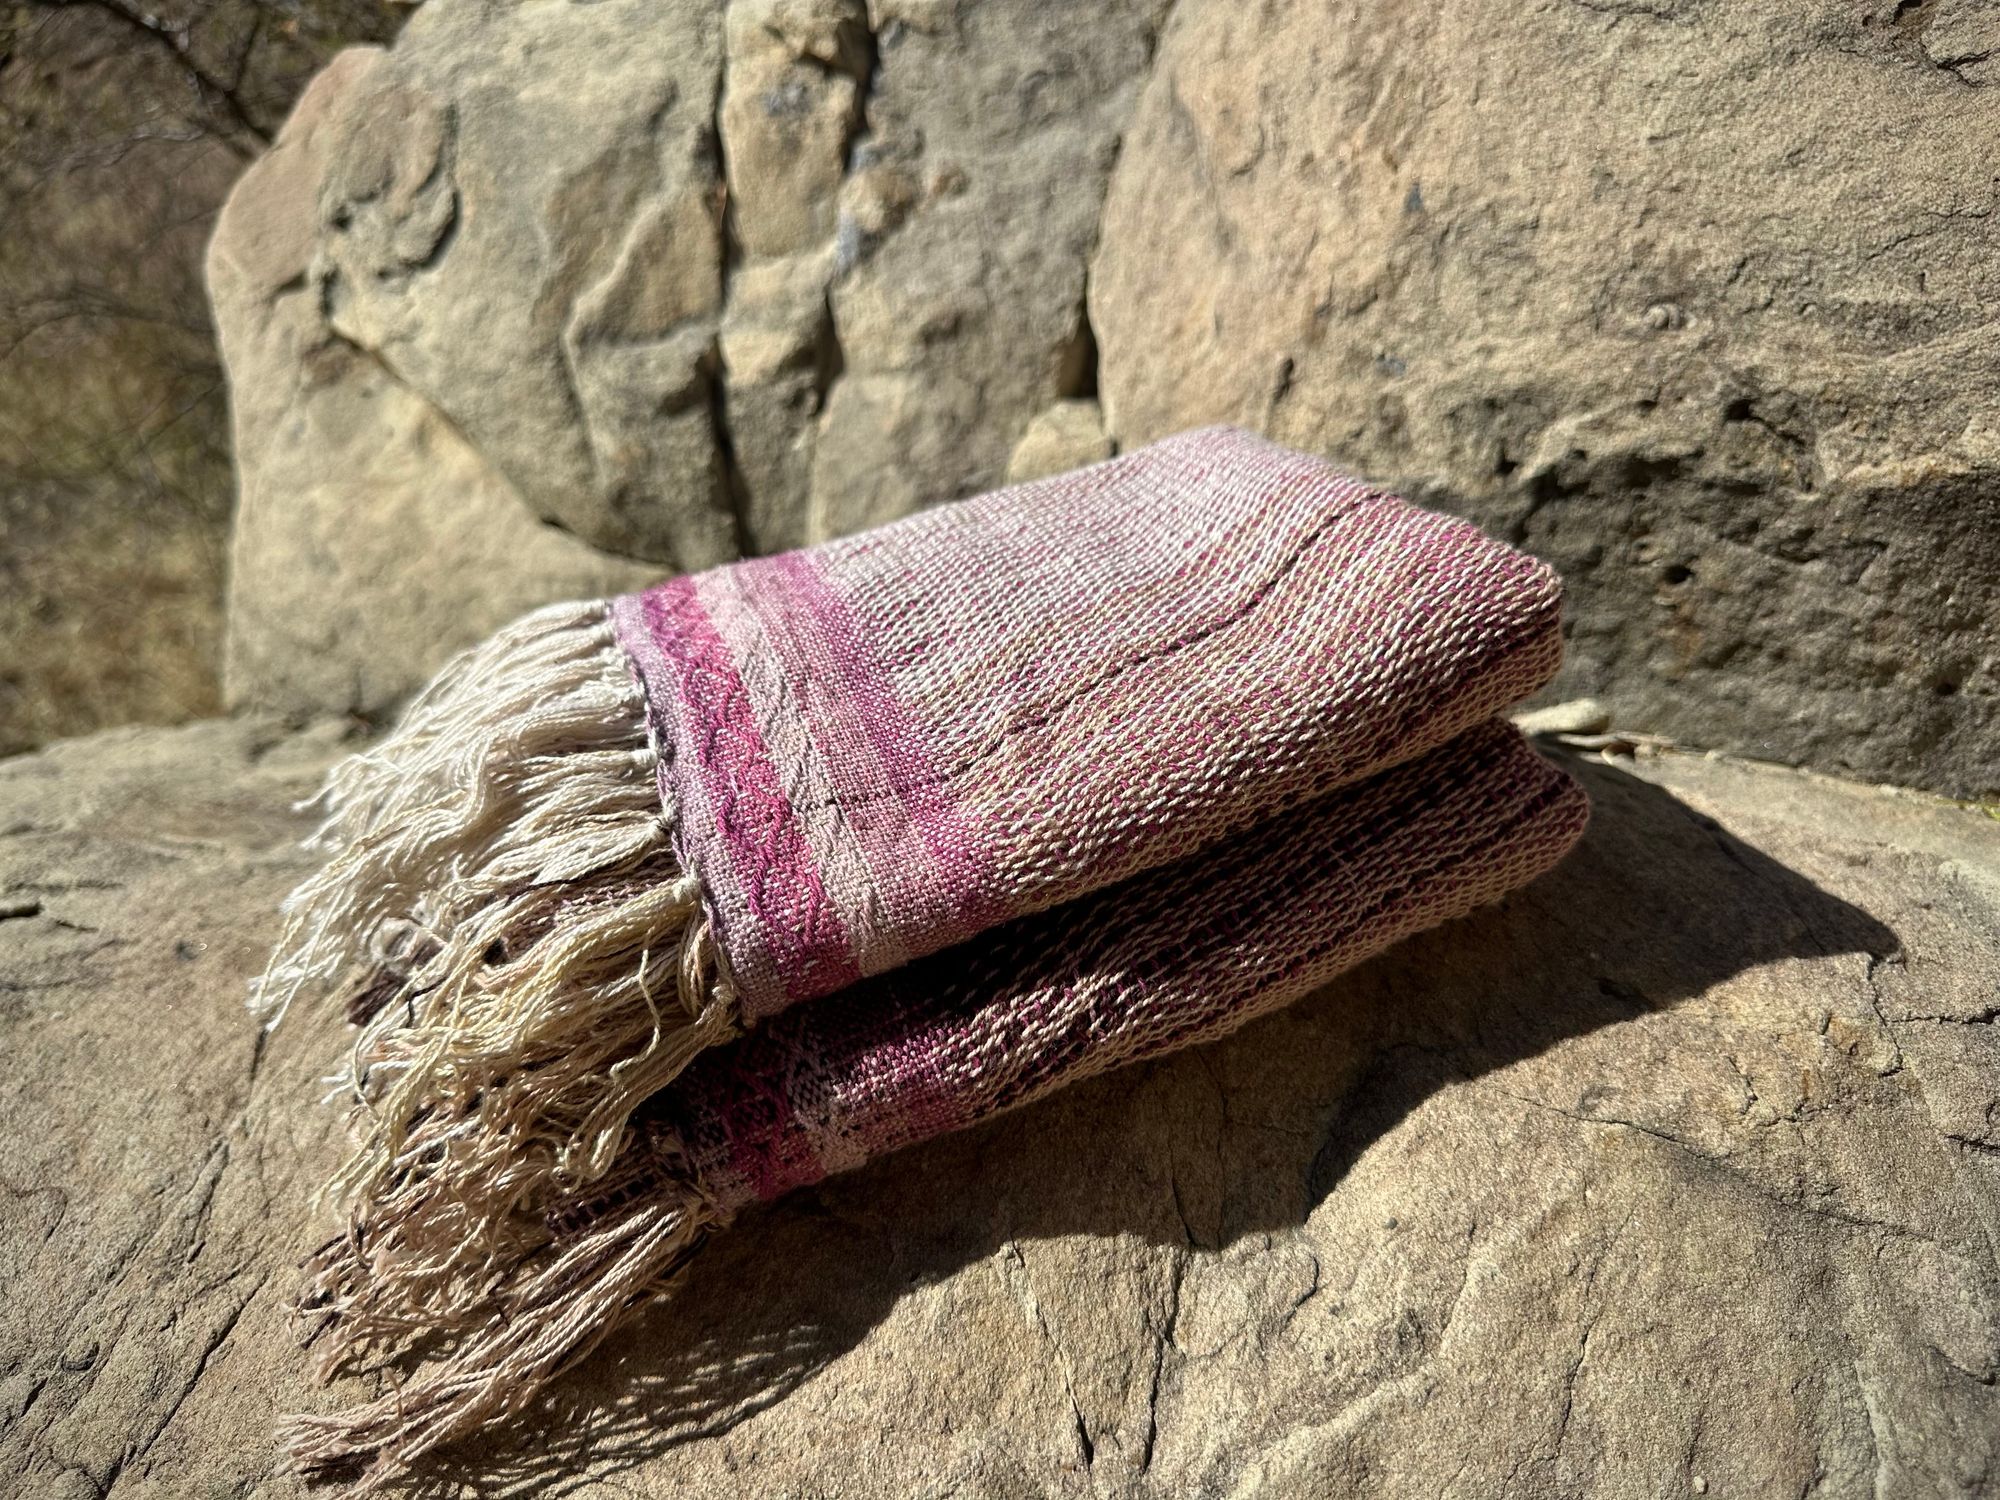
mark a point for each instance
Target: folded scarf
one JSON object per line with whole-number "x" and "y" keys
{"x": 1011, "y": 791}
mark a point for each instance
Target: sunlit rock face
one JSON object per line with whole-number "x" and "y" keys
{"x": 1675, "y": 1171}
{"x": 1697, "y": 301}
{"x": 549, "y": 299}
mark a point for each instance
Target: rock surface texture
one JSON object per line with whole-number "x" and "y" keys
{"x": 663, "y": 283}
{"x": 1677, "y": 1174}
{"x": 1697, "y": 301}
{"x": 666, "y": 281}
{"x": 552, "y": 298}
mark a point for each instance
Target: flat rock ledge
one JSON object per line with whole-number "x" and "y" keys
{"x": 1678, "y": 1174}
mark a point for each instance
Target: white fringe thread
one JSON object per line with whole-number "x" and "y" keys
{"x": 502, "y": 908}
{"x": 552, "y": 1299}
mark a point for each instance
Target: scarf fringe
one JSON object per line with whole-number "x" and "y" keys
{"x": 573, "y": 1279}
{"x": 503, "y": 914}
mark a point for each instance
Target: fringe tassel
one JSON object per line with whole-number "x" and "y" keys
{"x": 503, "y": 911}
{"x": 554, "y": 1300}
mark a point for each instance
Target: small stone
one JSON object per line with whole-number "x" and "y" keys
{"x": 1574, "y": 716}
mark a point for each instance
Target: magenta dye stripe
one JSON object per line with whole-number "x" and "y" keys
{"x": 754, "y": 819}
{"x": 752, "y": 1132}
{"x": 857, "y": 697}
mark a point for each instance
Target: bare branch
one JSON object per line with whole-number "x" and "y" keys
{"x": 174, "y": 41}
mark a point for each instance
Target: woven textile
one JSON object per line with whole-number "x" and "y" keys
{"x": 1168, "y": 959}
{"x": 656, "y": 908}
{"x": 881, "y": 746}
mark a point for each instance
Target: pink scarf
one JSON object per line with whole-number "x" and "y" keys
{"x": 935, "y": 820}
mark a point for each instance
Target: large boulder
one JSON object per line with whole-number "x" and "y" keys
{"x": 377, "y": 526}
{"x": 550, "y": 298}
{"x": 1692, "y": 299}
{"x": 1678, "y": 1173}
{"x": 1696, "y": 300}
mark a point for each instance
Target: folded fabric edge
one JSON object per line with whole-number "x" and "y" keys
{"x": 503, "y": 913}
{"x": 608, "y": 1250}
{"x": 509, "y": 878}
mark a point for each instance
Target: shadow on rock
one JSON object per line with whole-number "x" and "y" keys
{"x": 1199, "y": 1151}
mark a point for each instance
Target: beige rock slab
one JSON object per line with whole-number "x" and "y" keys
{"x": 1678, "y": 1173}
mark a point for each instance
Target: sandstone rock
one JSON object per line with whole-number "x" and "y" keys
{"x": 792, "y": 104}
{"x": 964, "y": 234}
{"x": 674, "y": 280}
{"x": 372, "y": 539}
{"x": 1678, "y": 1173}
{"x": 1573, "y": 716}
{"x": 518, "y": 215}
{"x": 1694, "y": 301}
{"x": 780, "y": 357}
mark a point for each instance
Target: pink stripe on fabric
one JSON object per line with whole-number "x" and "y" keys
{"x": 754, "y": 820}
{"x": 856, "y": 699}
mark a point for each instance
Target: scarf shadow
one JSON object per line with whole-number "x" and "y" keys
{"x": 1193, "y": 1153}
